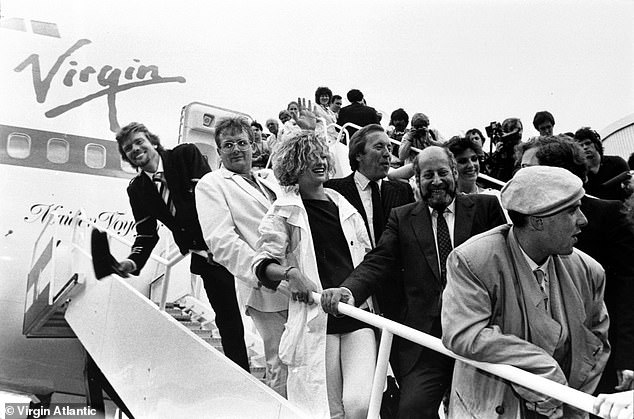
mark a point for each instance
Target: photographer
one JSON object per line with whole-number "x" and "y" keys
{"x": 504, "y": 137}
{"x": 420, "y": 136}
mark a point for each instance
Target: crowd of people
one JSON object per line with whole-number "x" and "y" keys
{"x": 397, "y": 222}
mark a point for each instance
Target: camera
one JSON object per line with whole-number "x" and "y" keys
{"x": 494, "y": 131}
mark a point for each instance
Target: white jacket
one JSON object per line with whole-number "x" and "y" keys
{"x": 230, "y": 210}
{"x": 286, "y": 237}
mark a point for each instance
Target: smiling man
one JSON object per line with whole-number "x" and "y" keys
{"x": 164, "y": 191}
{"x": 231, "y": 203}
{"x": 366, "y": 188}
{"x": 522, "y": 295}
{"x": 410, "y": 259}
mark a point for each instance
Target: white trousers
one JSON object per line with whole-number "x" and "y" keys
{"x": 350, "y": 363}
{"x": 270, "y": 327}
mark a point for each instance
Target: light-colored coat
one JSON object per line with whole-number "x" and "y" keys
{"x": 230, "y": 210}
{"x": 286, "y": 237}
{"x": 490, "y": 306}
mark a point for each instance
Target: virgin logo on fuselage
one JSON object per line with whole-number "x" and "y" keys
{"x": 108, "y": 76}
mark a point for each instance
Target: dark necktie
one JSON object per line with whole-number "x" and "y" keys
{"x": 161, "y": 184}
{"x": 444, "y": 243}
{"x": 377, "y": 212}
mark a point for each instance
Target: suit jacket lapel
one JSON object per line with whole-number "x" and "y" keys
{"x": 463, "y": 221}
{"x": 387, "y": 197}
{"x": 421, "y": 225}
{"x": 171, "y": 176}
{"x": 355, "y": 198}
{"x": 251, "y": 190}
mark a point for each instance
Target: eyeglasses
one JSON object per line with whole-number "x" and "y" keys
{"x": 242, "y": 145}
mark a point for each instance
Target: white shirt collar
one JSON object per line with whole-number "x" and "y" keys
{"x": 158, "y": 169}
{"x": 451, "y": 207}
{"x": 363, "y": 181}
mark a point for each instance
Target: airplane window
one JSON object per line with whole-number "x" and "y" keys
{"x": 57, "y": 150}
{"x": 45, "y": 28}
{"x": 19, "y": 146}
{"x": 95, "y": 156}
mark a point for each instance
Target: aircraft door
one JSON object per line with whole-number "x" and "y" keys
{"x": 198, "y": 126}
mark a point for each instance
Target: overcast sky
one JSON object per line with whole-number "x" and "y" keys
{"x": 463, "y": 63}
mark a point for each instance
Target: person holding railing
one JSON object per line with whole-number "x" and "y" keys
{"x": 312, "y": 238}
{"x": 521, "y": 295}
{"x": 164, "y": 191}
{"x": 608, "y": 238}
{"x": 410, "y": 258}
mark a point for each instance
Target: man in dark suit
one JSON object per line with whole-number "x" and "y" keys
{"x": 164, "y": 191}
{"x": 415, "y": 243}
{"x": 608, "y": 238}
{"x": 369, "y": 155}
{"x": 357, "y": 112}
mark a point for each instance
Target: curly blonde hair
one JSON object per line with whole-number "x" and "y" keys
{"x": 294, "y": 155}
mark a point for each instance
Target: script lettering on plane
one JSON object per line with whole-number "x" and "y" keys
{"x": 108, "y": 77}
{"x": 112, "y": 220}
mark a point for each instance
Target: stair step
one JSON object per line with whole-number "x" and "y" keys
{"x": 191, "y": 325}
{"x": 182, "y": 317}
{"x": 203, "y": 333}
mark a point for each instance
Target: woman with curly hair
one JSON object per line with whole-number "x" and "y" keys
{"x": 311, "y": 239}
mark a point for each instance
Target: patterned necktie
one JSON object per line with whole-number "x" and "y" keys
{"x": 161, "y": 184}
{"x": 540, "y": 276}
{"x": 377, "y": 212}
{"x": 444, "y": 244}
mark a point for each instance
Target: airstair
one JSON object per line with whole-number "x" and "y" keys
{"x": 163, "y": 360}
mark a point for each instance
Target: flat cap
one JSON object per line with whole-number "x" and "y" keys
{"x": 541, "y": 191}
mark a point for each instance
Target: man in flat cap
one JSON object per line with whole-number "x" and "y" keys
{"x": 522, "y": 295}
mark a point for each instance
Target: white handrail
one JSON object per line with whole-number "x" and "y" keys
{"x": 542, "y": 385}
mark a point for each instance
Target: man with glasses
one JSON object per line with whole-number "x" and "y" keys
{"x": 164, "y": 191}
{"x": 231, "y": 202}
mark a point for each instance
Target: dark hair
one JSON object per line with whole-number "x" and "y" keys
{"x": 511, "y": 124}
{"x": 518, "y": 219}
{"x": 458, "y": 145}
{"x": 630, "y": 161}
{"x": 322, "y": 91}
{"x": 358, "y": 141}
{"x": 478, "y": 133}
{"x": 133, "y": 128}
{"x": 541, "y": 117}
{"x": 233, "y": 125}
{"x": 557, "y": 151}
{"x": 257, "y": 125}
{"x": 399, "y": 114}
{"x": 587, "y": 133}
{"x": 335, "y": 97}
{"x": 354, "y": 95}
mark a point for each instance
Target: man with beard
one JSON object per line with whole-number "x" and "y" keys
{"x": 164, "y": 191}
{"x": 521, "y": 295}
{"x": 411, "y": 257}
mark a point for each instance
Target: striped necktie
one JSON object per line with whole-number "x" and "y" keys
{"x": 540, "y": 276}
{"x": 161, "y": 184}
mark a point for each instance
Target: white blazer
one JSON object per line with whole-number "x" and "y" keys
{"x": 230, "y": 210}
